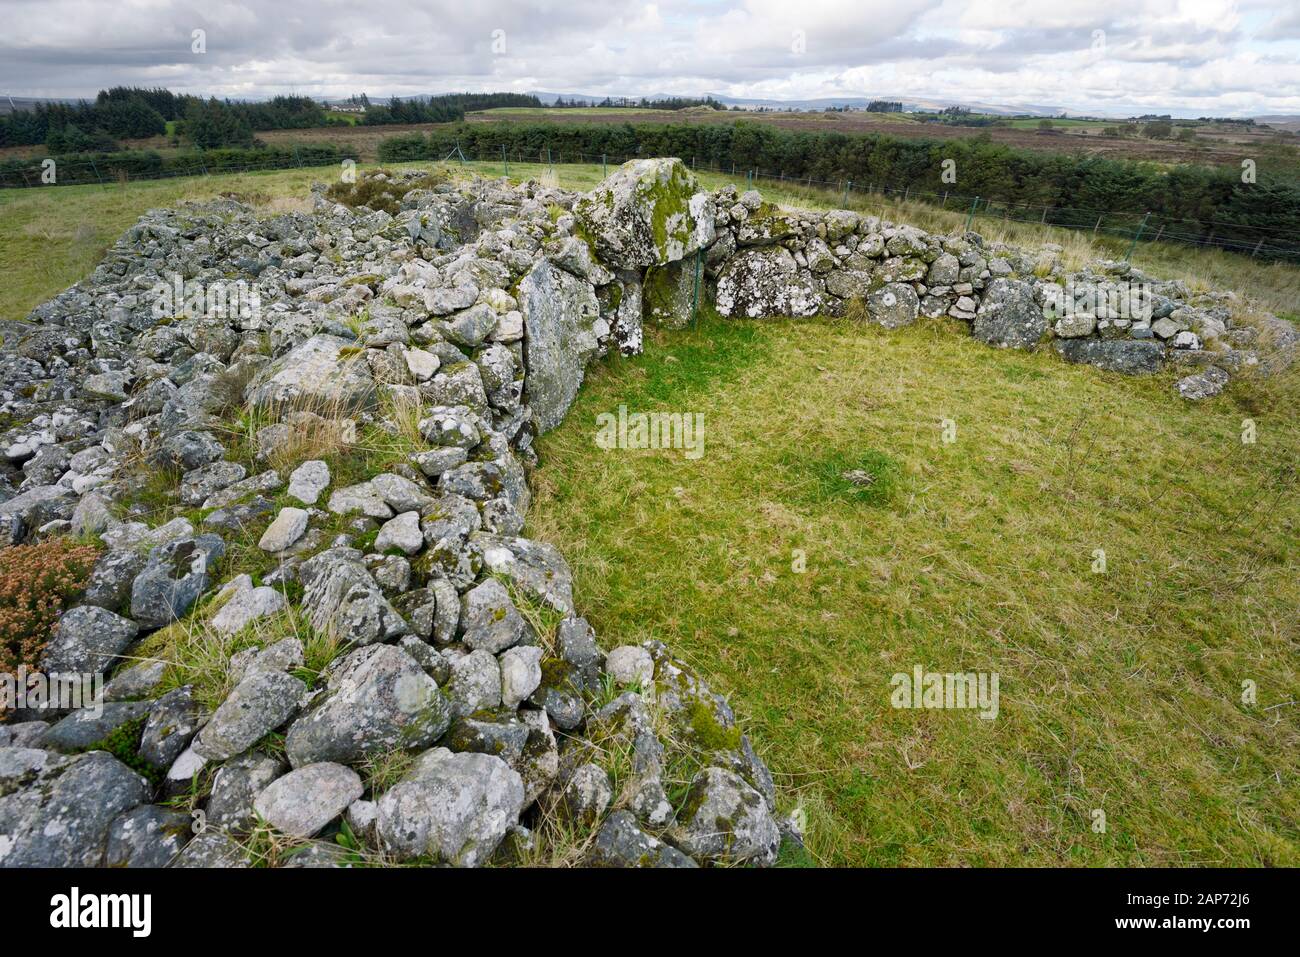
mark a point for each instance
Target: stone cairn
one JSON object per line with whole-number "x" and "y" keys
{"x": 456, "y": 655}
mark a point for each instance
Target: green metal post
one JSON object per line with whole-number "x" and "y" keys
{"x": 1138, "y": 235}
{"x": 971, "y": 215}
{"x": 695, "y": 300}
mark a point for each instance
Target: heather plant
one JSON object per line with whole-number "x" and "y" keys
{"x": 36, "y": 583}
{"x": 379, "y": 189}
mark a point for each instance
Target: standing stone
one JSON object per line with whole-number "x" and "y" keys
{"x": 560, "y": 311}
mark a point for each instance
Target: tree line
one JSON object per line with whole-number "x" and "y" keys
{"x": 447, "y": 108}
{"x": 80, "y": 168}
{"x": 644, "y": 103}
{"x": 1054, "y": 188}
{"x": 210, "y": 123}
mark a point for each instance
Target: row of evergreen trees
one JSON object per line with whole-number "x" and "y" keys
{"x": 136, "y": 113}
{"x": 644, "y": 103}
{"x": 1187, "y": 202}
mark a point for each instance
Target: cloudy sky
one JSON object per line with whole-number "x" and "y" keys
{"x": 1191, "y": 57}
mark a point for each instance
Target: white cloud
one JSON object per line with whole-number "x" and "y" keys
{"x": 1192, "y": 56}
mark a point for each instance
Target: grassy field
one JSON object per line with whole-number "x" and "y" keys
{"x": 801, "y": 595}
{"x": 1120, "y": 692}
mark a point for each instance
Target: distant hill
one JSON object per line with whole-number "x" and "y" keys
{"x": 10, "y": 104}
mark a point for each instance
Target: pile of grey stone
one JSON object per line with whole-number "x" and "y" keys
{"x": 479, "y": 306}
{"x": 460, "y": 649}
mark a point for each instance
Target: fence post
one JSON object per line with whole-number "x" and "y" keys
{"x": 1156, "y": 239}
{"x": 1098, "y": 226}
{"x": 604, "y": 169}
{"x": 1138, "y": 235}
{"x": 695, "y": 298}
{"x": 970, "y": 217}
{"x": 95, "y": 169}
{"x": 1254, "y": 251}
{"x": 847, "y": 186}
{"x": 505, "y": 162}
{"x": 1043, "y": 220}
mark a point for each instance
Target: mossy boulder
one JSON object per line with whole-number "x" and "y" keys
{"x": 648, "y": 212}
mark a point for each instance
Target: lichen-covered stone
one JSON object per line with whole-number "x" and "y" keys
{"x": 647, "y": 212}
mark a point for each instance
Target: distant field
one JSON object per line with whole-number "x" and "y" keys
{"x": 1214, "y": 145}
{"x": 1033, "y": 123}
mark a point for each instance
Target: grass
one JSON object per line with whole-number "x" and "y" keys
{"x": 1120, "y": 691}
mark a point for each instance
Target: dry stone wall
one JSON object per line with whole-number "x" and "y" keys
{"x": 212, "y": 346}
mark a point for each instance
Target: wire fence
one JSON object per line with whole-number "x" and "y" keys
{"x": 1124, "y": 225}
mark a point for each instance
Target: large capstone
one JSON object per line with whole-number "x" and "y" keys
{"x": 646, "y": 213}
